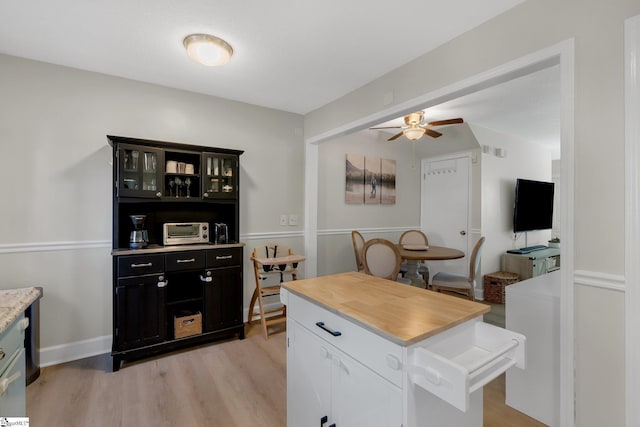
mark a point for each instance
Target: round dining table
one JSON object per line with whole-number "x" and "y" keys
{"x": 416, "y": 253}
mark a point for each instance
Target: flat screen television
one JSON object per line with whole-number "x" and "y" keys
{"x": 533, "y": 207}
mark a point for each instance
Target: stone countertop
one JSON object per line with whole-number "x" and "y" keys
{"x": 13, "y": 302}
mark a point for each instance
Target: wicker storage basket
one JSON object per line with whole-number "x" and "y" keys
{"x": 494, "y": 284}
{"x": 186, "y": 325}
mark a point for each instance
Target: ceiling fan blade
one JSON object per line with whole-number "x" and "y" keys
{"x": 446, "y": 122}
{"x": 432, "y": 133}
{"x": 396, "y": 136}
{"x": 387, "y": 127}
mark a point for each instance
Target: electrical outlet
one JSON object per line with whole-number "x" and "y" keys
{"x": 293, "y": 219}
{"x": 283, "y": 219}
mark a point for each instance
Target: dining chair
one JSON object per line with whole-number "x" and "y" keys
{"x": 415, "y": 237}
{"x": 358, "y": 245}
{"x": 382, "y": 258}
{"x": 458, "y": 283}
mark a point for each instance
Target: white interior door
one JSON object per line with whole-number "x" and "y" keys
{"x": 445, "y": 206}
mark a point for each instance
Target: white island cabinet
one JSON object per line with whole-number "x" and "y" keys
{"x": 363, "y": 351}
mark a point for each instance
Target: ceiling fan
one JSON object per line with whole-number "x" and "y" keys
{"x": 416, "y": 127}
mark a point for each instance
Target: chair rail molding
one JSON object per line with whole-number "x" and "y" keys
{"x": 13, "y": 248}
{"x": 632, "y": 218}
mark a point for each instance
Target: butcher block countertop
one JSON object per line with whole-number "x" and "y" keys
{"x": 13, "y": 302}
{"x": 401, "y": 313}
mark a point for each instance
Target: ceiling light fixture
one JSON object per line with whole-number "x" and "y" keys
{"x": 207, "y": 49}
{"x": 413, "y": 133}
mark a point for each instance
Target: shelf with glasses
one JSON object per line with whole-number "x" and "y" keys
{"x": 181, "y": 186}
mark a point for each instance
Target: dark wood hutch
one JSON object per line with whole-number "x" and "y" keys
{"x": 157, "y": 286}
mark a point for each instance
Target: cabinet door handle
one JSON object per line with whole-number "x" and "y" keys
{"x": 323, "y": 420}
{"x": 322, "y": 326}
{"x": 207, "y": 279}
{"x": 148, "y": 264}
{"x": 162, "y": 284}
{"x": 224, "y": 257}
{"x": 183, "y": 261}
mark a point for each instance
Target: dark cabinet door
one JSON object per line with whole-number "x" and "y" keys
{"x": 220, "y": 176}
{"x": 139, "y": 171}
{"x": 223, "y": 298}
{"x": 140, "y": 312}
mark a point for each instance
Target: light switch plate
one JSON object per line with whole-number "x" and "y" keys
{"x": 283, "y": 219}
{"x": 293, "y": 219}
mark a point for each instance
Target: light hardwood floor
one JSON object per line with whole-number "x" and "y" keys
{"x": 229, "y": 383}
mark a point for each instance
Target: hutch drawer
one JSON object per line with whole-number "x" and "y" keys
{"x": 138, "y": 265}
{"x": 188, "y": 260}
{"x": 224, "y": 257}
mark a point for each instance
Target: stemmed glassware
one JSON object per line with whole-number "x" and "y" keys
{"x": 178, "y": 185}
{"x": 171, "y": 184}
{"x": 188, "y": 184}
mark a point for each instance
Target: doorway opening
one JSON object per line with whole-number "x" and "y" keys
{"x": 561, "y": 54}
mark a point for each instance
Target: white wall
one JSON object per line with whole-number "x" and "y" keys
{"x": 523, "y": 160}
{"x": 55, "y": 220}
{"x": 336, "y": 219}
{"x": 597, "y": 28}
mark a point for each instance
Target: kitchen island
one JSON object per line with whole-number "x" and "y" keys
{"x": 368, "y": 351}
{"x": 13, "y": 303}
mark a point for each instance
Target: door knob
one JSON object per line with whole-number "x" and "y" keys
{"x": 463, "y": 233}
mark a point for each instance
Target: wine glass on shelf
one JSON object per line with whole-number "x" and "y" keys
{"x": 188, "y": 184}
{"x": 178, "y": 185}
{"x": 171, "y": 184}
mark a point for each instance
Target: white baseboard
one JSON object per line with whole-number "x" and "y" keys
{"x": 63, "y": 353}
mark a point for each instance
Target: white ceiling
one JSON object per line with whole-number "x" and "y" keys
{"x": 527, "y": 108}
{"x": 292, "y": 55}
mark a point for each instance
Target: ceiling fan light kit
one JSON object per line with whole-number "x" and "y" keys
{"x": 208, "y": 50}
{"x": 413, "y": 134}
{"x": 415, "y": 127}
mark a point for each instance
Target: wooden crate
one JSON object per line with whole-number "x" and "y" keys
{"x": 186, "y": 325}
{"x": 494, "y": 284}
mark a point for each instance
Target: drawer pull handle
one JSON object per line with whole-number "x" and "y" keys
{"x": 224, "y": 257}
{"x": 188, "y": 322}
{"x": 4, "y": 384}
{"x": 184, "y": 261}
{"x": 327, "y": 329}
{"x": 147, "y": 264}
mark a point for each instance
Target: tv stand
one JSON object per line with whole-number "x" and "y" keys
{"x": 531, "y": 264}
{"x": 527, "y": 250}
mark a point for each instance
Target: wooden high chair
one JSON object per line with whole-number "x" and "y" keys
{"x": 272, "y": 262}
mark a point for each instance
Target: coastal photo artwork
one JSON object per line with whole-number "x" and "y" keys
{"x": 370, "y": 180}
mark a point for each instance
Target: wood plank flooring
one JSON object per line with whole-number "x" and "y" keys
{"x": 229, "y": 383}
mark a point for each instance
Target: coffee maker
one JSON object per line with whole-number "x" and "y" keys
{"x": 139, "y": 237}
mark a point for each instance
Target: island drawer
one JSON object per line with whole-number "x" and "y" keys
{"x": 189, "y": 260}
{"x": 139, "y": 265}
{"x": 372, "y": 350}
{"x": 461, "y": 360}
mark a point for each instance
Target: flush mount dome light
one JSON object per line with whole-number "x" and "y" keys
{"x": 207, "y": 49}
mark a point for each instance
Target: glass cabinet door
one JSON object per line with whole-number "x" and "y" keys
{"x": 139, "y": 171}
{"x": 220, "y": 176}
